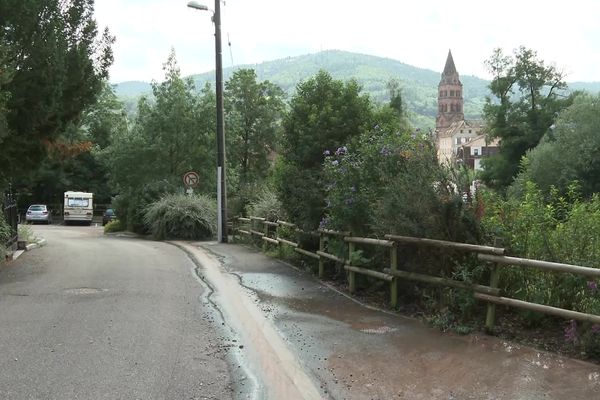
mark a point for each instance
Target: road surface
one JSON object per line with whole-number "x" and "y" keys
{"x": 96, "y": 317}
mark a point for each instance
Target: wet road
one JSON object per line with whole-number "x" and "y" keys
{"x": 124, "y": 318}
{"x": 353, "y": 352}
{"x": 94, "y": 317}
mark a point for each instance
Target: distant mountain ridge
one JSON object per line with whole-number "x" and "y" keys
{"x": 419, "y": 85}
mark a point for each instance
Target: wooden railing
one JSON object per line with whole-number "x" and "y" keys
{"x": 493, "y": 257}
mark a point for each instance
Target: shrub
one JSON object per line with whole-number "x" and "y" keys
{"x": 177, "y": 216}
{"x": 267, "y": 205}
{"x": 130, "y": 205}
{"x": 114, "y": 226}
{"x": 5, "y": 233}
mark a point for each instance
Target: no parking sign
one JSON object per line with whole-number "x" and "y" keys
{"x": 191, "y": 179}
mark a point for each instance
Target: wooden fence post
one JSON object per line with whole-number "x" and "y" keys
{"x": 351, "y": 274}
{"x": 394, "y": 282}
{"x": 490, "y": 318}
{"x": 321, "y": 260}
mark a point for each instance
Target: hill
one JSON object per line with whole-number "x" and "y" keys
{"x": 419, "y": 86}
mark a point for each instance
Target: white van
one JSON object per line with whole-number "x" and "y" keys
{"x": 78, "y": 207}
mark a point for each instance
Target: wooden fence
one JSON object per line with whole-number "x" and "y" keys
{"x": 493, "y": 257}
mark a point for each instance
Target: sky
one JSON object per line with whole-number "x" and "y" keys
{"x": 564, "y": 33}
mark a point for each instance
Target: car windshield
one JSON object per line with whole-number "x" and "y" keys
{"x": 109, "y": 211}
{"x": 37, "y": 208}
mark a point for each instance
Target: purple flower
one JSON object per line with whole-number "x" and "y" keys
{"x": 592, "y": 286}
{"x": 385, "y": 151}
{"x": 323, "y": 223}
{"x": 341, "y": 151}
{"x": 326, "y": 153}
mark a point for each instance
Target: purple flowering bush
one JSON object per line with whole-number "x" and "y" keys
{"x": 389, "y": 182}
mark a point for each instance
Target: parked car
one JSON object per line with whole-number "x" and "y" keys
{"x": 38, "y": 213}
{"x": 108, "y": 216}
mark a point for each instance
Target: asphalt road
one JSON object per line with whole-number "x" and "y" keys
{"x": 95, "y": 317}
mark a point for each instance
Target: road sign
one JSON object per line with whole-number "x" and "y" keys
{"x": 191, "y": 179}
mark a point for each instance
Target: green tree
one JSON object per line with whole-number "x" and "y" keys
{"x": 254, "y": 111}
{"x": 324, "y": 115}
{"x": 58, "y": 62}
{"x": 527, "y": 98}
{"x": 172, "y": 134}
{"x": 570, "y": 151}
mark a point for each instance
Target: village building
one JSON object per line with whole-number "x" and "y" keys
{"x": 454, "y": 134}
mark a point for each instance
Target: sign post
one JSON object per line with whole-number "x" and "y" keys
{"x": 190, "y": 179}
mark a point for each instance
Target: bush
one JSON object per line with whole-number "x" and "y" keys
{"x": 177, "y": 216}
{"x": 114, "y": 226}
{"x": 5, "y": 233}
{"x": 267, "y": 205}
{"x": 130, "y": 205}
{"x": 561, "y": 228}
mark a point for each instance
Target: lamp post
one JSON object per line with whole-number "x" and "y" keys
{"x": 221, "y": 176}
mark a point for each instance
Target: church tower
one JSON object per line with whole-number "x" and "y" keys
{"x": 450, "y": 100}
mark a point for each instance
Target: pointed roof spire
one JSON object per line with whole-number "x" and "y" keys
{"x": 449, "y": 69}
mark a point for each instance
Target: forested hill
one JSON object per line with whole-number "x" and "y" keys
{"x": 419, "y": 86}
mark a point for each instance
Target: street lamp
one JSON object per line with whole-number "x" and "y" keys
{"x": 221, "y": 181}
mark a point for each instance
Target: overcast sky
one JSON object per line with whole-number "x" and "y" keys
{"x": 419, "y": 33}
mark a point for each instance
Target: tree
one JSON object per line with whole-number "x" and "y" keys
{"x": 570, "y": 152}
{"x": 172, "y": 134}
{"x": 324, "y": 115}
{"x": 58, "y": 62}
{"x": 527, "y": 98}
{"x": 254, "y": 111}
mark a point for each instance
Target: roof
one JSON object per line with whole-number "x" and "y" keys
{"x": 456, "y": 126}
{"x": 482, "y": 141}
{"x": 449, "y": 68}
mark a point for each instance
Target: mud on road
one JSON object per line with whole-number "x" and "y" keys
{"x": 300, "y": 339}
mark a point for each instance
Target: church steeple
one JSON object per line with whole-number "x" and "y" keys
{"x": 449, "y": 68}
{"x": 450, "y": 100}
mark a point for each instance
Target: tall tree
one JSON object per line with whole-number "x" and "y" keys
{"x": 171, "y": 135}
{"x": 254, "y": 111}
{"x": 527, "y": 98}
{"x": 58, "y": 61}
{"x": 324, "y": 115}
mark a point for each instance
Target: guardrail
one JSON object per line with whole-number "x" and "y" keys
{"x": 493, "y": 257}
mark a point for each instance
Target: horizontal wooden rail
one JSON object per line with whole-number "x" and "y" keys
{"x": 288, "y": 224}
{"x": 376, "y": 242}
{"x": 444, "y": 243}
{"x": 443, "y": 281}
{"x": 270, "y": 223}
{"x": 244, "y": 232}
{"x": 306, "y": 252}
{"x": 369, "y": 272}
{"x": 331, "y": 257}
{"x": 284, "y": 241}
{"x": 334, "y": 233}
{"x": 258, "y": 218}
{"x": 243, "y": 219}
{"x": 268, "y": 239}
{"x": 559, "y": 312}
{"x": 257, "y": 233}
{"x": 544, "y": 265}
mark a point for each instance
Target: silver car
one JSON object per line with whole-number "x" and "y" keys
{"x": 38, "y": 213}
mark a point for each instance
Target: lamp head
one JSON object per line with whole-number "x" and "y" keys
{"x": 197, "y": 6}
